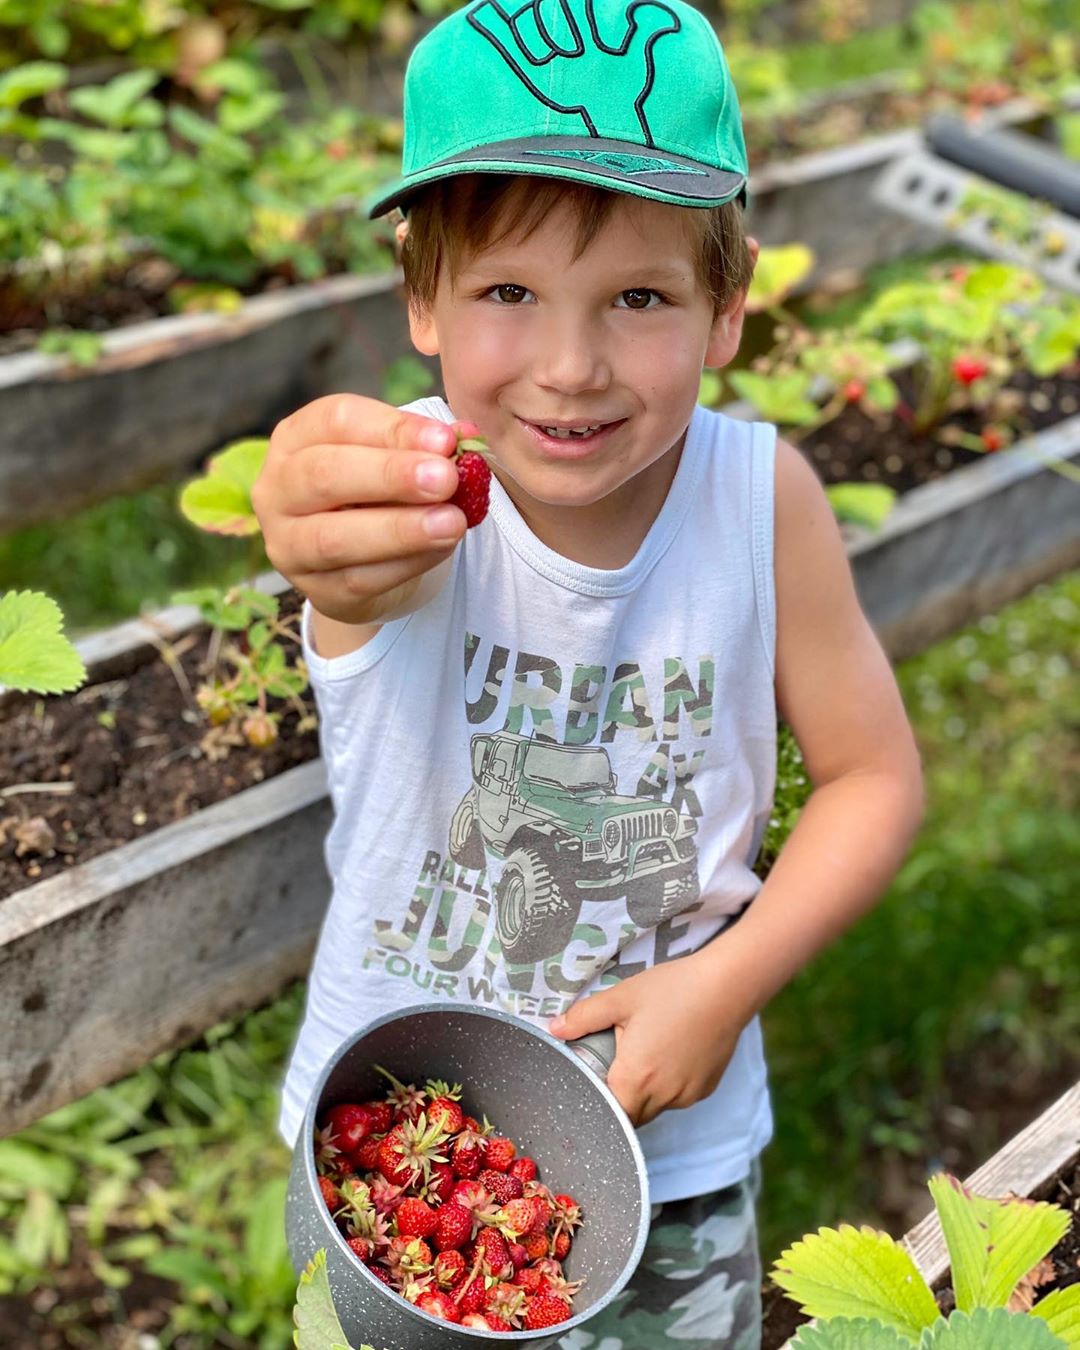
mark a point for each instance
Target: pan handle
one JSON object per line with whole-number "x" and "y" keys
{"x": 597, "y": 1050}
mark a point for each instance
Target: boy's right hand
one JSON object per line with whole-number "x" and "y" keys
{"x": 353, "y": 501}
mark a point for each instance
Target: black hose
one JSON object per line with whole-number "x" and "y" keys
{"x": 1010, "y": 159}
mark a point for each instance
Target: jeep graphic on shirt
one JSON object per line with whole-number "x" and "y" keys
{"x": 554, "y": 815}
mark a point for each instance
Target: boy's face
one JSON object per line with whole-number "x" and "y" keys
{"x": 533, "y": 342}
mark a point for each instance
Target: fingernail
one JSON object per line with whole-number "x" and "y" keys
{"x": 434, "y": 438}
{"x": 557, "y": 1025}
{"x": 442, "y": 523}
{"x": 434, "y": 476}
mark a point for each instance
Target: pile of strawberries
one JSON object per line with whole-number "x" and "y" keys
{"x": 444, "y": 1211}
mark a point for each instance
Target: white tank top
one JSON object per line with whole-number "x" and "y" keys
{"x": 552, "y": 776}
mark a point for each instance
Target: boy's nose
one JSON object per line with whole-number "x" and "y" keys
{"x": 570, "y": 359}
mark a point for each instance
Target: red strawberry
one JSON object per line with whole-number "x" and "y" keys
{"x": 330, "y": 1194}
{"x": 560, "y": 1245}
{"x": 366, "y": 1156}
{"x": 501, "y": 1185}
{"x": 491, "y": 1244}
{"x": 443, "y": 1108}
{"x": 381, "y": 1273}
{"x": 854, "y": 390}
{"x": 416, "y": 1218}
{"x": 471, "y": 1293}
{"x": 440, "y": 1186}
{"x": 518, "y": 1255}
{"x": 499, "y": 1153}
{"x": 545, "y": 1310}
{"x": 467, "y": 1154}
{"x": 450, "y": 1269}
{"x": 524, "y": 1169}
{"x": 506, "y": 1301}
{"x": 516, "y": 1218}
{"x": 537, "y": 1245}
{"x": 453, "y": 1226}
{"x": 360, "y": 1248}
{"x": 382, "y": 1116}
{"x": 530, "y": 1279}
{"x": 474, "y": 479}
{"x": 488, "y": 1322}
{"x": 968, "y": 369}
{"x": 351, "y": 1125}
{"x": 438, "y": 1304}
{"x": 992, "y": 439}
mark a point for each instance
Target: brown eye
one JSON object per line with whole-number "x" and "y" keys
{"x": 511, "y": 295}
{"x": 638, "y": 299}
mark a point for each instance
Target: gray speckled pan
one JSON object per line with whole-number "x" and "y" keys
{"x": 535, "y": 1090}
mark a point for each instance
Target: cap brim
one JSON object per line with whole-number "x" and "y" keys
{"x": 618, "y": 165}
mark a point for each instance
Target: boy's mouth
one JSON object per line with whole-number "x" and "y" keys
{"x": 568, "y": 434}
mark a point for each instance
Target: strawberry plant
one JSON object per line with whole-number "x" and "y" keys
{"x": 244, "y": 674}
{"x": 35, "y": 657}
{"x": 970, "y": 331}
{"x": 866, "y": 1291}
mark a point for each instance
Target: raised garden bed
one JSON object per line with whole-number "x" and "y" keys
{"x": 824, "y": 200}
{"x": 167, "y": 392}
{"x": 1042, "y": 1162}
{"x": 166, "y": 934}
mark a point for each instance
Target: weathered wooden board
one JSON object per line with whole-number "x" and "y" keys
{"x": 129, "y": 955}
{"x": 167, "y": 392}
{"x": 139, "y": 950}
{"x": 1027, "y": 1162}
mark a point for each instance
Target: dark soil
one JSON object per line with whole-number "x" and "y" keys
{"x": 132, "y": 749}
{"x": 124, "y": 293}
{"x": 857, "y": 448}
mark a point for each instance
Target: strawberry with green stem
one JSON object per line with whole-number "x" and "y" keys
{"x": 473, "y": 460}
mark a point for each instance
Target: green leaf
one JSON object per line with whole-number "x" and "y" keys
{"x": 992, "y": 1243}
{"x": 850, "y": 1333}
{"x": 80, "y": 347}
{"x": 230, "y": 151}
{"x": 41, "y": 1234}
{"x": 220, "y": 501}
{"x": 1060, "y": 1311}
{"x": 857, "y": 1273}
{"x": 777, "y": 272}
{"x": 30, "y": 81}
{"x": 34, "y": 654}
{"x": 239, "y": 116}
{"x": 861, "y": 503}
{"x": 197, "y": 1274}
{"x": 778, "y": 398}
{"x": 315, "y": 1317}
{"x": 121, "y": 102}
{"x": 264, "y": 1235}
{"x": 405, "y": 380}
{"x": 989, "y": 1329}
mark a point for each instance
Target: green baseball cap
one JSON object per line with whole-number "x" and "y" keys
{"x": 630, "y": 95}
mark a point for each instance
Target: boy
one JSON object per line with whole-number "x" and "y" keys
{"x": 551, "y": 739}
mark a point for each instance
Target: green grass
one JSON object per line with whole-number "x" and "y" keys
{"x": 179, "y": 1166}
{"x": 120, "y": 557}
{"x": 974, "y": 942}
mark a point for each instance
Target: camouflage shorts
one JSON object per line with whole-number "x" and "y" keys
{"x": 698, "y": 1286}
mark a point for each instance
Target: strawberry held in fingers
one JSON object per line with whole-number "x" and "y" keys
{"x": 474, "y": 478}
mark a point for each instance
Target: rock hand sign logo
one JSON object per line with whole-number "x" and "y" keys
{"x": 566, "y": 835}
{"x": 592, "y": 69}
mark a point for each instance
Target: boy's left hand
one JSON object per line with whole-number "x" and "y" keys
{"x": 676, "y": 1026}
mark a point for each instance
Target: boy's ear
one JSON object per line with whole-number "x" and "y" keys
{"x": 728, "y": 325}
{"x": 422, "y": 330}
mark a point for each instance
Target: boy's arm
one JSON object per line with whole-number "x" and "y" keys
{"x": 677, "y": 1024}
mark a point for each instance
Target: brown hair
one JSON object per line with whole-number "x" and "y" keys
{"x": 457, "y": 218}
